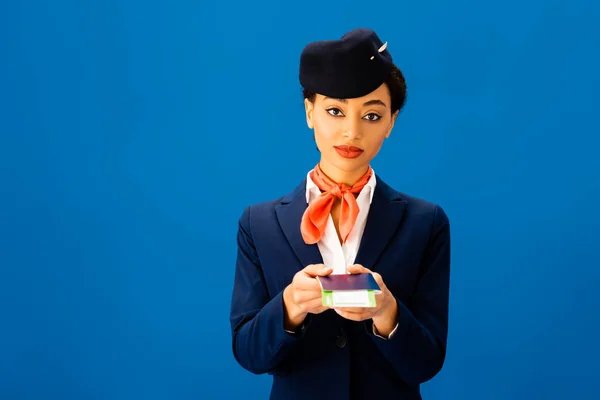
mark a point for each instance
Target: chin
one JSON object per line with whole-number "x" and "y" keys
{"x": 350, "y": 164}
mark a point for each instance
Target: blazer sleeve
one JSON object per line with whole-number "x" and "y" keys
{"x": 260, "y": 342}
{"x": 418, "y": 348}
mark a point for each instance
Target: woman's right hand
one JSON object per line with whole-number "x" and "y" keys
{"x": 303, "y": 295}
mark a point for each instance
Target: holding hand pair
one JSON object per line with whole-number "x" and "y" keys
{"x": 303, "y": 297}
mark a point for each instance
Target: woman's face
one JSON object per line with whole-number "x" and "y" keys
{"x": 350, "y": 132}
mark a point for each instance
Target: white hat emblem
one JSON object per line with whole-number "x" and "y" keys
{"x": 381, "y": 49}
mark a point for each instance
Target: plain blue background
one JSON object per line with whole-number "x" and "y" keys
{"x": 133, "y": 134}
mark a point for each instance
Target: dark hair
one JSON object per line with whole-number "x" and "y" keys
{"x": 395, "y": 83}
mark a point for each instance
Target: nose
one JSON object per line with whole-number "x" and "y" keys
{"x": 352, "y": 128}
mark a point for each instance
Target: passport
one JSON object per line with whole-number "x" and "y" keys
{"x": 349, "y": 290}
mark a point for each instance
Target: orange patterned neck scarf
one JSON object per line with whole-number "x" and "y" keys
{"x": 314, "y": 220}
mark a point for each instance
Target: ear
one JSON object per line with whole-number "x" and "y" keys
{"x": 394, "y": 116}
{"x": 309, "y": 107}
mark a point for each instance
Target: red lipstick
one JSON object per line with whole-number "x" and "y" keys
{"x": 348, "y": 151}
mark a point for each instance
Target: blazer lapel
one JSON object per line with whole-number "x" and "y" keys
{"x": 385, "y": 216}
{"x": 289, "y": 213}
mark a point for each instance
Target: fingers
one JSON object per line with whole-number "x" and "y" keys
{"x": 304, "y": 282}
{"x": 304, "y": 296}
{"x": 326, "y": 271}
{"x": 378, "y": 279}
{"x": 306, "y": 290}
{"x": 357, "y": 269}
{"x": 317, "y": 270}
{"x": 314, "y": 306}
{"x": 305, "y": 279}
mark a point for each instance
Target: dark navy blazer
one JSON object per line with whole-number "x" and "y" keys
{"x": 406, "y": 240}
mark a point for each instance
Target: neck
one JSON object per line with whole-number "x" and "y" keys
{"x": 340, "y": 176}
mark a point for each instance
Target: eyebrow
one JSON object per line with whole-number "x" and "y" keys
{"x": 366, "y": 103}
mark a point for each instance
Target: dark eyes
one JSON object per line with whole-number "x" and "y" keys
{"x": 336, "y": 112}
{"x": 373, "y": 117}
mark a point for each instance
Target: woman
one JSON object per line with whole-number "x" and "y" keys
{"x": 344, "y": 219}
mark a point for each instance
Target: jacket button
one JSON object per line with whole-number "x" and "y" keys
{"x": 341, "y": 341}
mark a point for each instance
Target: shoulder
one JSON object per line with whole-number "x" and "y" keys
{"x": 260, "y": 209}
{"x": 424, "y": 207}
{"x": 417, "y": 208}
{"x": 266, "y": 210}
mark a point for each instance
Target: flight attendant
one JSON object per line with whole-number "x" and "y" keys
{"x": 343, "y": 218}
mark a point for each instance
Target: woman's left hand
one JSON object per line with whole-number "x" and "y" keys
{"x": 385, "y": 312}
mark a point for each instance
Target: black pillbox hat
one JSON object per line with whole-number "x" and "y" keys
{"x": 350, "y": 67}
